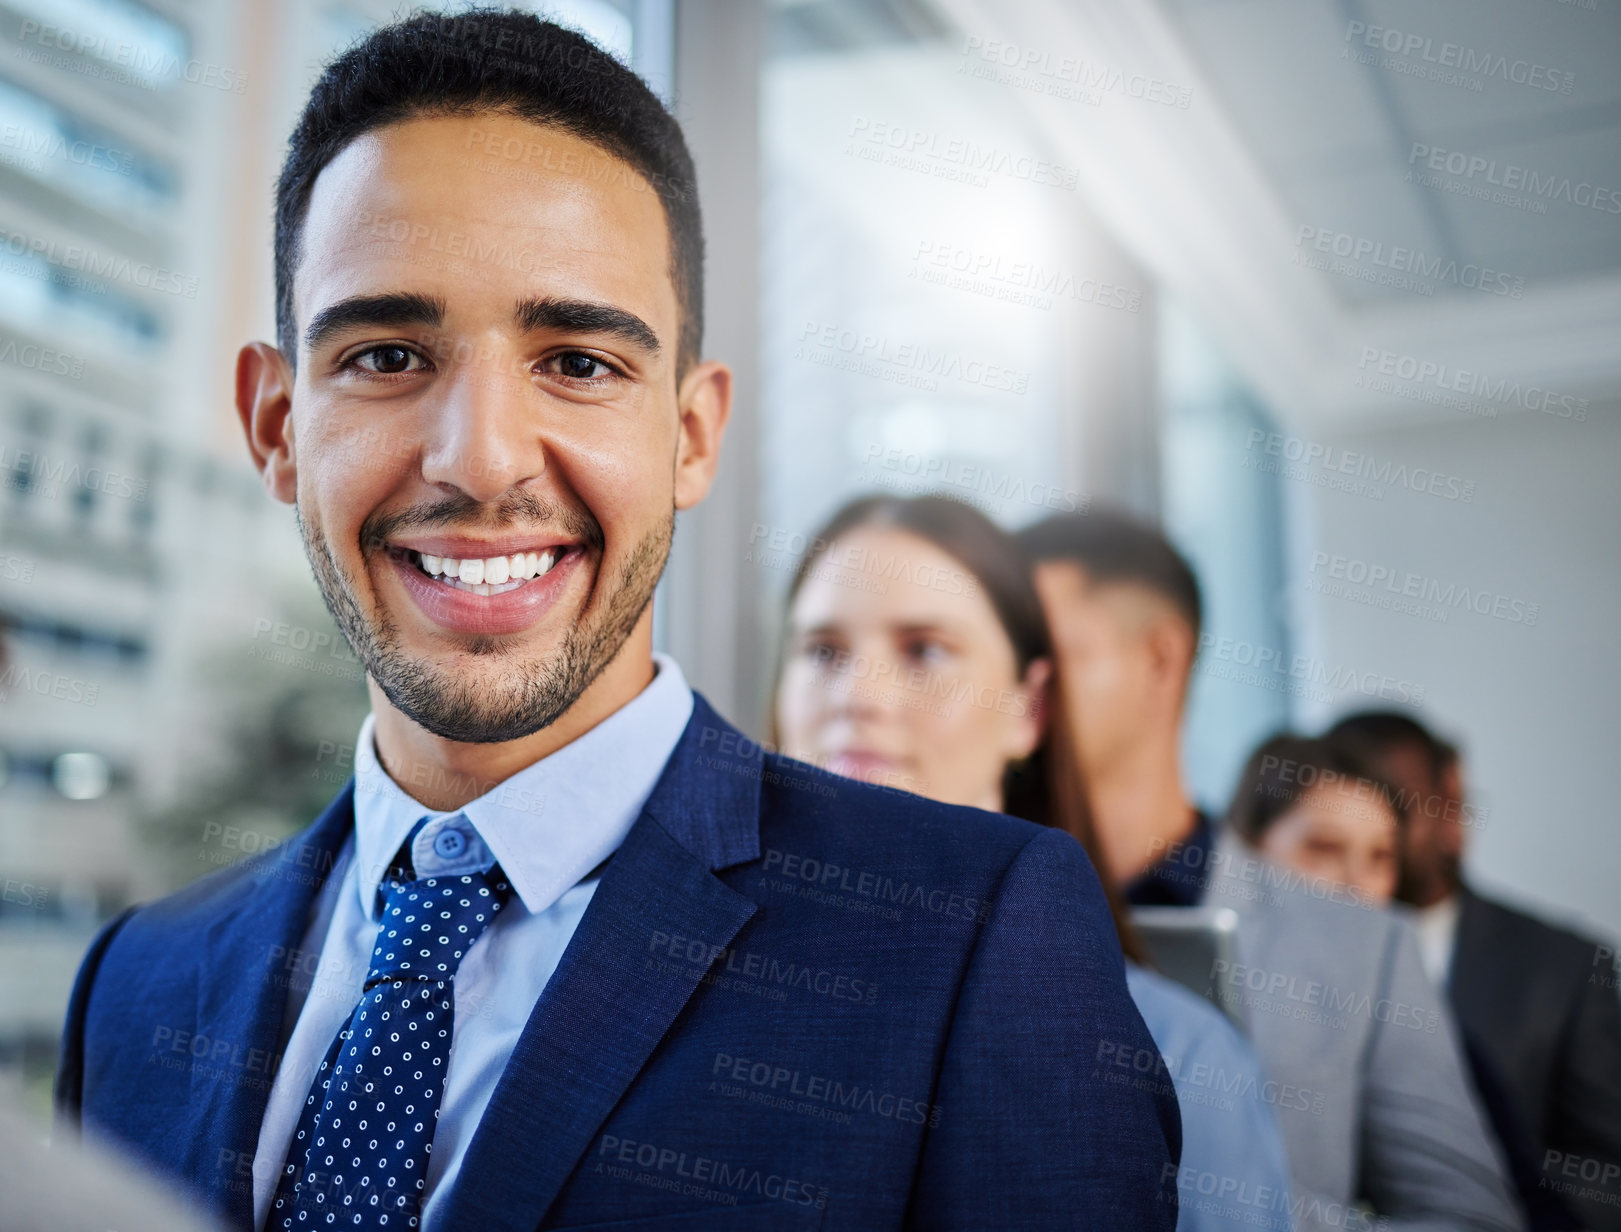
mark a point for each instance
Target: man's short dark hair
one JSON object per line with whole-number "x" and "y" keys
{"x": 489, "y": 61}
{"x": 1115, "y": 547}
{"x": 1378, "y": 733}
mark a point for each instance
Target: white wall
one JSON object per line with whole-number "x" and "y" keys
{"x": 1535, "y": 706}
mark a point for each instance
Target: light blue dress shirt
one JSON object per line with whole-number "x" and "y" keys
{"x": 1234, "y": 1171}
{"x": 549, "y": 826}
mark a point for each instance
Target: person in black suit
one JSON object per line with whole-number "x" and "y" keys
{"x": 1536, "y": 1001}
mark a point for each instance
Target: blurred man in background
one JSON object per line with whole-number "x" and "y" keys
{"x": 1125, "y": 613}
{"x": 1346, "y": 1009}
{"x": 1538, "y": 1001}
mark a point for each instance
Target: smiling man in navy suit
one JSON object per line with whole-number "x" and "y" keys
{"x": 549, "y": 960}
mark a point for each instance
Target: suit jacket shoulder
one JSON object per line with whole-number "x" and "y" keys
{"x": 1539, "y": 1001}
{"x": 845, "y": 828}
{"x": 169, "y": 1046}
{"x": 1518, "y": 985}
{"x": 1490, "y": 930}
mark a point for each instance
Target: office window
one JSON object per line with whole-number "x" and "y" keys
{"x": 36, "y": 295}
{"x": 1226, "y": 515}
{"x": 97, "y": 167}
{"x": 128, "y": 38}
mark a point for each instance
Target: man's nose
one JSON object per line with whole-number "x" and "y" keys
{"x": 486, "y": 437}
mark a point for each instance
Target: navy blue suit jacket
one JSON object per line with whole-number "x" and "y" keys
{"x": 794, "y": 1002}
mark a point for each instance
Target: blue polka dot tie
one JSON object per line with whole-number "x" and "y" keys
{"x": 359, "y": 1158}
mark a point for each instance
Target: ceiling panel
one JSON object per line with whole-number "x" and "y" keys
{"x": 1346, "y": 132}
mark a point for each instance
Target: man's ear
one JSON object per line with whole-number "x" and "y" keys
{"x": 1170, "y": 649}
{"x": 704, "y": 402}
{"x": 264, "y": 404}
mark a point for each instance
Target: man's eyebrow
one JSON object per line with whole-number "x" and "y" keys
{"x": 583, "y": 317}
{"x": 395, "y": 308}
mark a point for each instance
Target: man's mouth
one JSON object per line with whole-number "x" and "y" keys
{"x": 488, "y": 575}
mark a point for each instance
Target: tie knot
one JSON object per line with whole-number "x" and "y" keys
{"x": 427, "y": 925}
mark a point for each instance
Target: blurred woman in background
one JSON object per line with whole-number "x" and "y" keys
{"x": 1316, "y": 807}
{"x": 916, "y": 656}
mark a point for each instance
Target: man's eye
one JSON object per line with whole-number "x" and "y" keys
{"x": 386, "y": 360}
{"x": 578, "y": 366}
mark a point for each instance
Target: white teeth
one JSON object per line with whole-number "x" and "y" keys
{"x": 491, "y": 575}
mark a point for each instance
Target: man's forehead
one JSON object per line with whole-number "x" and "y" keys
{"x": 1128, "y": 601}
{"x": 1061, "y": 574}
{"x": 420, "y": 193}
{"x": 495, "y": 151}
{"x": 1073, "y": 576}
{"x": 1408, "y": 760}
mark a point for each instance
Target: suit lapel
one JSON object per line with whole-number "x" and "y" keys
{"x": 611, "y": 1000}
{"x": 1471, "y": 999}
{"x": 240, "y": 1006}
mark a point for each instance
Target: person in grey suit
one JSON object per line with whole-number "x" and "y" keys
{"x": 1536, "y": 1001}
{"x": 1333, "y": 991}
{"x": 1336, "y": 1000}
{"x": 1334, "y": 995}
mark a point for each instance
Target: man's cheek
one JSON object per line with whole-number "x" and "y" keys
{"x": 626, "y": 486}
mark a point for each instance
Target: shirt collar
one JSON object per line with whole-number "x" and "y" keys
{"x": 1178, "y": 878}
{"x": 1442, "y": 916}
{"x": 555, "y": 820}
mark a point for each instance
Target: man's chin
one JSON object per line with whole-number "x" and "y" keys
{"x": 1452, "y": 873}
{"x": 482, "y": 689}
{"x": 459, "y": 656}
{"x": 470, "y": 710}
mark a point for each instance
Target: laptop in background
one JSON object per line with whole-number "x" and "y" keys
{"x": 1187, "y": 943}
